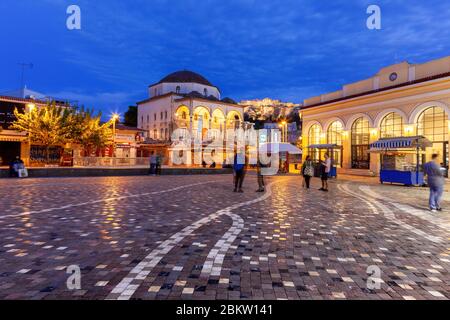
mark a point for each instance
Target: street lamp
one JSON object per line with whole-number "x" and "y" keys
{"x": 114, "y": 118}
{"x": 283, "y": 127}
{"x": 31, "y": 107}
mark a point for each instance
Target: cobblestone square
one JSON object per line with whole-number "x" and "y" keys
{"x": 192, "y": 237}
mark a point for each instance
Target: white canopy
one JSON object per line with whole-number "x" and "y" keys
{"x": 280, "y": 147}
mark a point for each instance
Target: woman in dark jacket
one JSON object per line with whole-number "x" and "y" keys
{"x": 307, "y": 171}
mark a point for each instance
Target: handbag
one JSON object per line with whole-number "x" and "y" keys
{"x": 309, "y": 171}
{"x": 23, "y": 173}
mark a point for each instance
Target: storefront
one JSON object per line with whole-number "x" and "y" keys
{"x": 401, "y": 101}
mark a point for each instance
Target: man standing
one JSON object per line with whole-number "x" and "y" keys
{"x": 261, "y": 184}
{"x": 239, "y": 171}
{"x": 435, "y": 178}
{"x": 325, "y": 171}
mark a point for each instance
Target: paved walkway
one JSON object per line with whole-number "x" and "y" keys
{"x": 191, "y": 237}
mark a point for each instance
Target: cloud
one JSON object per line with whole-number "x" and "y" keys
{"x": 290, "y": 49}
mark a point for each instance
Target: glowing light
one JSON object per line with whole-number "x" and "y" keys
{"x": 409, "y": 129}
{"x": 31, "y": 107}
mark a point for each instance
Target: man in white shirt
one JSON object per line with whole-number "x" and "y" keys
{"x": 325, "y": 171}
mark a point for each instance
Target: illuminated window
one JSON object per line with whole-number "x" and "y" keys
{"x": 334, "y": 134}
{"x": 314, "y": 134}
{"x": 360, "y": 144}
{"x": 392, "y": 126}
{"x": 314, "y": 138}
{"x": 433, "y": 124}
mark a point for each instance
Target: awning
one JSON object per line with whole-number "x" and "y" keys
{"x": 279, "y": 147}
{"x": 12, "y": 138}
{"x": 400, "y": 143}
{"x": 324, "y": 146}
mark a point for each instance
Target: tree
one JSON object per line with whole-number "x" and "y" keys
{"x": 87, "y": 130}
{"x": 48, "y": 125}
{"x": 52, "y": 125}
{"x": 131, "y": 116}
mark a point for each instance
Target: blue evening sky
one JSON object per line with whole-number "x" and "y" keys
{"x": 286, "y": 49}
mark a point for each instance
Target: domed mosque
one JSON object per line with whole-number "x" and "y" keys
{"x": 186, "y": 104}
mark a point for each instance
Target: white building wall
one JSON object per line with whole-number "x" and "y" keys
{"x": 156, "y": 115}
{"x": 185, "y": 88}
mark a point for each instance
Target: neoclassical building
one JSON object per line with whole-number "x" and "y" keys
{"x": 187, "y": 101}
{"x": 402, "y": 100}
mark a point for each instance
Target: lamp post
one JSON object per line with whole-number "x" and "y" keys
{"x": 283, "y": 127}
{"x": 31, "y": 107}
{"x": 114, "y": 118}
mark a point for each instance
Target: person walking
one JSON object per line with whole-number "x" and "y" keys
{"x": 153, "y": 162}
{"x": 239, "y": 171}
{"x": 307, "y": 171}
{"x": 325, "y": 169}
{"x": 435, "y": 179}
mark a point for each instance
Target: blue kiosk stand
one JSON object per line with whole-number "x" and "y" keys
{"x": 394, "y": 152}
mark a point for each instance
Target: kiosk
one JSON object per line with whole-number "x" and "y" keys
{"x": 290, "y": 155}
{"x": 401, "y": 159}
{"x": 320, "y": 149}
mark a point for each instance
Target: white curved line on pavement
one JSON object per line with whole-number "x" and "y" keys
{"x": 388, "y": 214}
{"x": 214, "y": 260}
{"x": 103, "y": 200}
{"x": 128, "y": 286}
{"x": 422, "y": 214}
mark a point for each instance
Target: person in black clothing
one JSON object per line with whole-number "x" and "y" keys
{"x": 307, "y": 171}
{"x": 239, "y": 171}
{"x": 14, "y": 167}
{"x": 261, "y": 184}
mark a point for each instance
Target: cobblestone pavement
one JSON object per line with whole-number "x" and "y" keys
{"x": 191, "y": 237}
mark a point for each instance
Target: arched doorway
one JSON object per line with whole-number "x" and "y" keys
{"x": 217, "y": 124}
{"x": 360, "y": 144}
{"x": 433, "y": 124}
{"x": 200, "y": 123}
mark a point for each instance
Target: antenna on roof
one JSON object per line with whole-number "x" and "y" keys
{"x": 22, "y": 77}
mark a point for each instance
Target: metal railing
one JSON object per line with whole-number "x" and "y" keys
{"x": 110, "y": 162}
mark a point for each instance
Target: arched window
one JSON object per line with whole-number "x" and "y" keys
{"x": 334, "y": 136}
{"x": 205, "y": 92}
{"x": 314, "y": 138}
{"x": 360, "y": 144}
{"x": 433, "y": 124}
{"x": 314, "y": 134}
{"x": 391, "y": 126}
{"x": 178, "y": 89}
